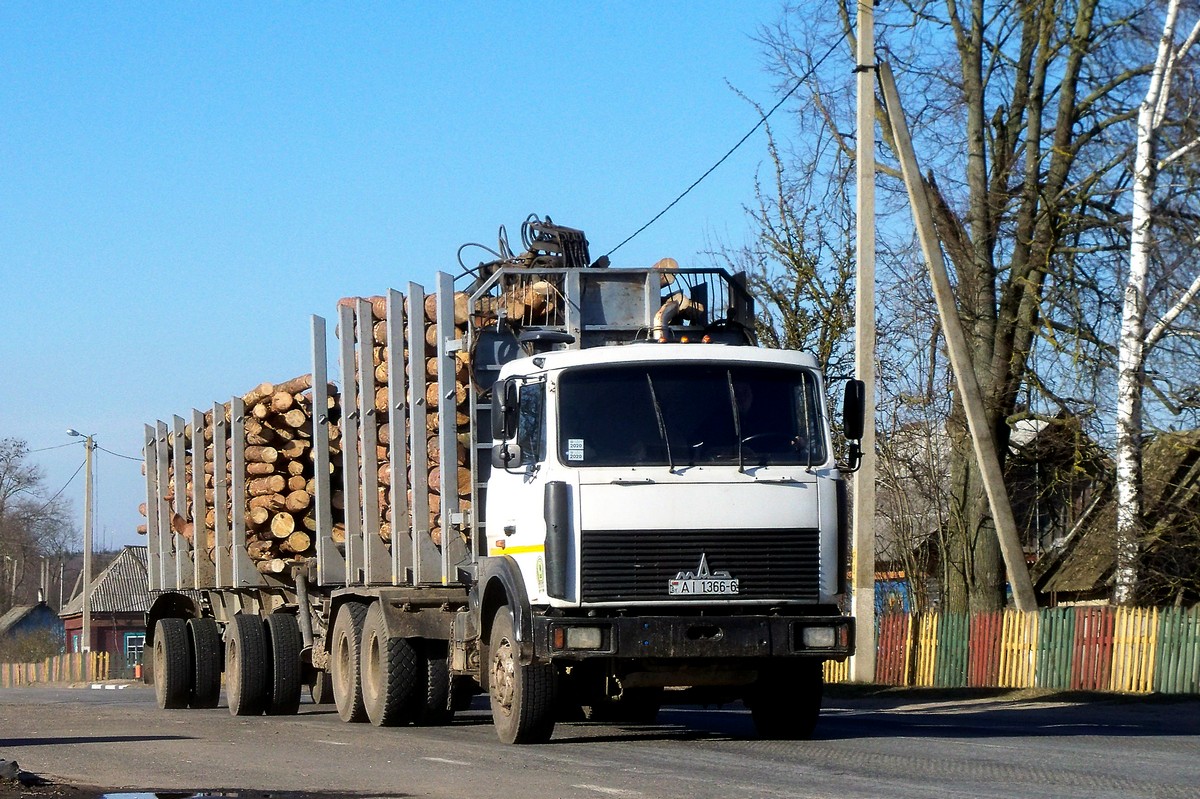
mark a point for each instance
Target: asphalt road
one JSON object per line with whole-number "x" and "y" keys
{"x": 895, "y": 745}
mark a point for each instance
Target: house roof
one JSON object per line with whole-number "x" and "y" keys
{"x": 121, "y": 588}
{"x": 16, "y": 615}
{"x": 1171, "y": 482}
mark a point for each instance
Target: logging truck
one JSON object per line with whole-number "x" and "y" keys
{"x": 579, "y": 490}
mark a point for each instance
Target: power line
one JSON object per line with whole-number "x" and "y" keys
{"x": 59, "y": 446}
{"x": 119, "y": 455}
{"x": 762, "y": 121}
{"x": 70, "y": 480}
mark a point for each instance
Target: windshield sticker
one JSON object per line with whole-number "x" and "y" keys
{"x": 574, "y": 449}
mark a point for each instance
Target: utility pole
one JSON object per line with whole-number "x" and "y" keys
{"x": 862, "y": 665}
{"x": 89, "y": 445}
{"x": 960, "y": 358}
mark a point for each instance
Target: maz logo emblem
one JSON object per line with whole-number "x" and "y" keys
{"x": 703, "y": 582}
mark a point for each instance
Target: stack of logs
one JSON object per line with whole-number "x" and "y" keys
{"x": 280, "y": 487}
{"x": 279, "y": 501}
{"x": 386, "y": 437}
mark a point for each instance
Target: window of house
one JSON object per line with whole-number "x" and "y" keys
{"x": 134, "y": 644}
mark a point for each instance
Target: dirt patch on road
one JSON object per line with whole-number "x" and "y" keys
{"x": 31, "y": 786}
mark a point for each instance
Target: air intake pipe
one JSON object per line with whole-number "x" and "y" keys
{"x": 558, "y": 537}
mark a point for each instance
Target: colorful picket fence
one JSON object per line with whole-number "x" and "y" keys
{"x": 67, "y": 668}
{"x": 1128, "y": 650}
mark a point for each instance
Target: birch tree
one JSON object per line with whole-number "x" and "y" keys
{"x": 1136, "y": 342}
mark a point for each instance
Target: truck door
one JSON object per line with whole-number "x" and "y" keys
{"x": 517, "y": 526}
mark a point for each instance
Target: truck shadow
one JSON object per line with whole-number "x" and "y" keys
{"x": 1066, "y": 716}
{"x": 600, "y": 732}
{"x": 90, "y": 739}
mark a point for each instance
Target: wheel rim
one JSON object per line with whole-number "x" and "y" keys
{"x": 159, "y": 658}
{"x": 504, "y": 676}
{"x": 372, "y": 677}
{"x": 234, "y": 667}
{"x": 160, "y": 670}
{"x": 343, "y": 662}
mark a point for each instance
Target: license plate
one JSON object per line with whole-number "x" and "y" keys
{"x": 718, "y": 587}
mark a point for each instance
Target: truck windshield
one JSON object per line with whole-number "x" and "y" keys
{"x": 689, "y": 414}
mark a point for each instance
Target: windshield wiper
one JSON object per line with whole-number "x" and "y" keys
{"x": 662, "y": 422}
{"x": 737, "y": 421}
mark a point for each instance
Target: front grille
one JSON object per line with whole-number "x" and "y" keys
{"x": 638, "y": 565}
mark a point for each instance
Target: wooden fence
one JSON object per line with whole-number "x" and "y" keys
{"x": 1130, "y": 650}
{"x": 68, "y": 668}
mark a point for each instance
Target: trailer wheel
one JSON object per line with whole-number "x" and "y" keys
{"x": 321, "y": 688}
{"x": 391, "y": 672}
{"x": 245, "y": 665}
{"x": 522, "y": 696}
{"x": 204, "y": 641}
{"x": 343, "y": 666}
{"x": 437, "y": 708}
{"x": 283, "y": 658}
{"x": 172, "y": 667}
{"x": 785, "y": 702}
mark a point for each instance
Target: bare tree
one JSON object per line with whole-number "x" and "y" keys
{"x": 32, "y": 525}
{"x": 1136, "y": 342}
{"x": 801, "y": 265}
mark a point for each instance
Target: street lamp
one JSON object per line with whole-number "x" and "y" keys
{"x": 89, "y": 445}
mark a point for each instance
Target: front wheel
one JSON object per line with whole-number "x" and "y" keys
{"x": 522, "y": 696}
{"x": 785, "y": 700}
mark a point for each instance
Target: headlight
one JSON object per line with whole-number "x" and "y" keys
{"x": 819, "y": 637}
{"x": 577, "y": 638}
{"x": 584, "y": 638}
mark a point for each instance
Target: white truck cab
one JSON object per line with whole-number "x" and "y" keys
{"x": 692, "y": 473}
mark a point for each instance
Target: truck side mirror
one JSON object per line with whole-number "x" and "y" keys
{"x": 504, "y": 409}
{"x": 854, "y": 404}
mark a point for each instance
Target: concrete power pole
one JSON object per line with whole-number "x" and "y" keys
{"x": 960, "y": 358}
{"x": 862, "y": 665}
{"x": 89, "y": 445}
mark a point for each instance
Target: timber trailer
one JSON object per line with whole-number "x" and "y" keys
{"x": 653, "y": 511}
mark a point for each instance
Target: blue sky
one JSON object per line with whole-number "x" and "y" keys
{"x": 183, "y": 185}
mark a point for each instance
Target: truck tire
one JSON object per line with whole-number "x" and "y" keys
{"x": 436, "y": 708}
{"x": 204, "y": 642}
{"x": 785, "y": 701}
{"x": 321, "y": 688}
{"x": 344, "y": 659}
{"x": 522, "y": 697}
{"x": 172, "y": 666}
{"x": 245, "y": 665}
{"x": 283, "y": 657}
{"x": 391, "y": 671}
